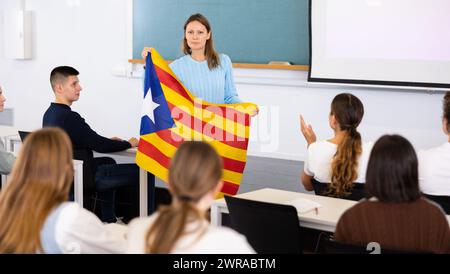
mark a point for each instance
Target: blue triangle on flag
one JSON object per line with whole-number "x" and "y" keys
{"x": 162, "y": 115}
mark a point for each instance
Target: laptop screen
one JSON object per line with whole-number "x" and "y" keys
{"x": 23, "y": 135}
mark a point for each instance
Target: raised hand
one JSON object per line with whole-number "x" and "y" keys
{"x": 307, "y": 131}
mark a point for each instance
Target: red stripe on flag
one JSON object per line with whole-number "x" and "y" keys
{"x": 171, "y": 82}
{"x": 211, "y": 131}
{"x": 230, "y": 188}
{"x": 233, "y": 165}
{"x": 176, "y": 140}
{"x": 170, "y": 137}
{"x": 228, "y": 112}
{"x": 154, "y": 153}
{"x": 229, "y": 164}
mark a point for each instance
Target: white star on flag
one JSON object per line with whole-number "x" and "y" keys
{"x": 149, "y": 107}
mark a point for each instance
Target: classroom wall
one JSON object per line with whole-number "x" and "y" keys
{"x": 71, "y": 32}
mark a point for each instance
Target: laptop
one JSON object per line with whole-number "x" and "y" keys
{"x": 23, "y": 135}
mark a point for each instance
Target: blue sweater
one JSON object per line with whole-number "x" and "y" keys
{"x": 214, "y": 86}
{"x": 80, "y": 133}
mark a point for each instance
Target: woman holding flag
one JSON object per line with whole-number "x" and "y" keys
{"x": 203, "y": 71}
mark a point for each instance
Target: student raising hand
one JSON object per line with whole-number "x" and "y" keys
{"x": 307, "y": 131}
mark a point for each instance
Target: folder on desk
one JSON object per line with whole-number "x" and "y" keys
{"x": 303, "y": 205}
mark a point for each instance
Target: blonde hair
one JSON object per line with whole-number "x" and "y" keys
{"x": 41, "y": 179}
{"x": 348, "y": 111}
{"x": 211, "y": 54}
{"x": 195, "y": 170}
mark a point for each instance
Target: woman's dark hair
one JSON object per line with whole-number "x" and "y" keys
{"x": 211, "y": 54}
{"x": 392, "y": 172}
{"x": 348, "y": 111}
{"x": 446, "y": 106}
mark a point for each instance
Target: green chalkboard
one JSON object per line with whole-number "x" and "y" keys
{"x": 249, "y": 31}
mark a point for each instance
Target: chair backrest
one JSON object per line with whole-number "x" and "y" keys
{"x": 443, "y": 201}
{"x": 357, "y": 193}
{"x": 23, "y": 135}
{"x": 326, "y": 245}
{"x": 269, "y": 228}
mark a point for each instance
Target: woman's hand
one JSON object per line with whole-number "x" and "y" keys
{"x": 254, "y": 112}
{"x": 145, "y": 52}
{"x": 307, "y": 131}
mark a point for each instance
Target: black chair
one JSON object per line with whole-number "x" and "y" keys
{"x": 89, "y": 190}
{"x": 357, "y": 193}
{"x": 162, "y": 197}
{"x": 443, "y": 201}
{"x": 326, "y": 245}
{"x": 269, "y": 228}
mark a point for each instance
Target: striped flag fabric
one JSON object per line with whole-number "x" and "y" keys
{"x": 172, "y": 115}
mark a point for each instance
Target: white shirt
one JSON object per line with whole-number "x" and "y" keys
{"x": 434, "y": 170}
{"x": 216, "y": 240}
{"x": 320, "y": 157}
{"x": 76, "y": 230}
{"x": 6, "y": 160}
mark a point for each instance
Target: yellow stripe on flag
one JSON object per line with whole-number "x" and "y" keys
{"x": 151, "y": 166}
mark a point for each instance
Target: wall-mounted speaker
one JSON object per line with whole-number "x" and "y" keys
{"x": 17, "y": 32}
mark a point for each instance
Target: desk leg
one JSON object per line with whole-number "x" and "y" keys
{"x": 216, "y": 216}
{"x": 143, "y": 193}
{"x": 78, "y": 183}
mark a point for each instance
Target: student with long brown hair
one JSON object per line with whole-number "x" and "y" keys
{"x": 35, "y": 214}
{"x": 194, "y": 180}
{"x": 202, "y": 70}
{"x": 342, "y": 160}
{"x": 397, "y": 216}
{"x": 434, "y": 165}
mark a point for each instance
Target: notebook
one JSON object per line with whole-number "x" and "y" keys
{"x": 303, "y": 205}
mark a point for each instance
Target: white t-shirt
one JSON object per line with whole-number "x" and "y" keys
{"x": 434, "y": 170}
{"x": 320, "y": 157}
{"x": 215, "y": 240}
{"x": 72, "y": 229}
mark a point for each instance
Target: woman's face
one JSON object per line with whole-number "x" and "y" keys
{"x": 2, "y": 100}
{"x": 196, "y": 36}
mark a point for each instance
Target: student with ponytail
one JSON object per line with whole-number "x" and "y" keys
{"x": 194, "y": 180}
{"x": 342, "y": 160}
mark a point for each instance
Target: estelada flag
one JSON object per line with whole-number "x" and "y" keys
{"x": 172, "y": 115}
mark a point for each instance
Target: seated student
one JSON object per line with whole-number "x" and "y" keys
{"x": 397, "y": 217}
{"x": 35, "y": 214}
{"x": 194, "y": 180}
{"x": 434, "y": 164}
{"x": 6, "y": 158}
{"x": 66, "y": 88}
{"x": 342, "y": 160}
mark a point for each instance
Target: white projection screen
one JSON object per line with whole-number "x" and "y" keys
{"x": 403, "y": 43}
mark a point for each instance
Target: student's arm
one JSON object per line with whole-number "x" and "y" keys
{"x": 231, "y": 96}
{"x": 306, "y": 181}
{"x": 6, "y": 160}
{"x": 307, "y": 173}
{"x": 82, "y": 135}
